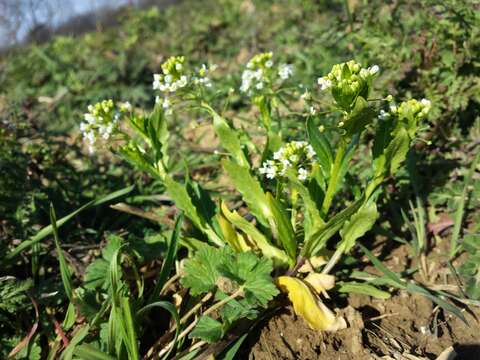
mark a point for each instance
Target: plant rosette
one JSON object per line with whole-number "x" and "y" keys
{"x": 275, "y": 239}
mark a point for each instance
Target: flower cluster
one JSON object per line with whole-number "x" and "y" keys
{"x": 347, "y": 81}
{"x": 260, "y": 72}
{"x": 101, "y": 121}
{"x": 175, "y": 77}
{"x": 285, "y": 71}
{"x": 202, "y": 78}
{"x": 408, "y": 109}
{"x": 297, "y": 156}
{"x": 172, "y": 77}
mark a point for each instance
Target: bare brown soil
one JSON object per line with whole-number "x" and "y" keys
{"x": 403, "y": 327}
{"x": 406, "y": 326}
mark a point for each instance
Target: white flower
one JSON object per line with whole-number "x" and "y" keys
{"x": 178, "y": 66}
{"x": 425, "y": 102}
{"x": 306, "y": 95}
{"x": 269, "y": 63}
{"x": 166, "y": 103}
{"x": 383, "y": 115}
{"x": 259, "y": 86}
{"x": 393, "y": 108}
{"x": 293, "y": 158}
{"x": 89, "y": 118}
{"x": 296, "y": 155}
{"x": 302, "y": 174}
{"x": 268, "y": 169}
{"x": 312, "y": 110}
{"x": 156, "y": 82}
{"x": 285, "y": 71}
{"x": 183, "y": 81}
{"x": 374, "y": 69}
{"x": 125, "y": 106}
{"x": 90, "y": 136}
{"x": 310, "y": 151}
{"x": 364, "y": 73}
{"x": 324, "y": 83}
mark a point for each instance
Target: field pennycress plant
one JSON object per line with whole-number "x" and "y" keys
{"x": 286, "y": 184}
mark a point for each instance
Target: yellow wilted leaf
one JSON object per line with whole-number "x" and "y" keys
{"x": 312, "y": 264}
{"x": 311, "y": 309}
{"x": 320, "y": 282}
{"x": 234, "y": 239}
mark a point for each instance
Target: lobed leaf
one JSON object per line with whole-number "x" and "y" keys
{"x": 251, "y": 190}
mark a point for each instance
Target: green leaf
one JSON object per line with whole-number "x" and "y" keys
{"x": 213, "y": 268}
{"x": 250, "y": 189}
{"x": 236, "y": 309}
{"x": 349, "y": 152}
{"x": 65, "y": 272}
{"x": 282, "y": 227}
{"x": 232, "y": 351}
{"x": 130, "y": 334}
{"x": 320, "y": 237}
{"x": 96, "y": 274}
{"x": 360, "y": 222}
{"x": 411, "y": 287}
{"x": 414, "y": 288}
{"x": 313, "y": 219}
{"x": 49, "y": 229}
{"x": 201, "y": 271}
{"x": 321, "y": 146}
{"x": 397, "y": 150}
{"x": 70, "y": 317}
{"x": 379, "y": 265}
{"x": 383, "y": 136}
{"x": 87, "y": 351}
{"x": 158, "y": 124}
{"x": 253, "y": 273}
{"x": 169, "y": 259}
{"x": 114, "y": 243}
{"x": 207, "y": 329}
{"x": 256, "y": 237}
{"x": 77, "y": 338}
{"x": 173, "y": 311}
{"x": 13, "y": 294}
{"x": 361, "y": 115}
{"x": 134, "y": 155}
{"x": 229, "y": 138}
{"x": 183, "y": 201}
{"x": 363, "y": 288}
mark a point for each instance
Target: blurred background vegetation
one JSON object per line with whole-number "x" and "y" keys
{"x": 425, "y": 48}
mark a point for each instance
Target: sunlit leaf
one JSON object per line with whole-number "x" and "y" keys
{"x": 310, "y": 308}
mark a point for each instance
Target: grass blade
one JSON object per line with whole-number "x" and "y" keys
{"x": 87, "y": 351}
{"x": 457, "y": 226}
{"x": 411, "y": 287}
{"x": 169, "y": 260}
{"x": 49, "y": 229}
{"x": 173, "y": 311}
{"x": 65, "y": 272}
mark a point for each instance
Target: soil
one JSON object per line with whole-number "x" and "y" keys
{"x": 405, "y": 326}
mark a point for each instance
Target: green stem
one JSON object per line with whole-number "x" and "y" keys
{"x": 334, "y": 177}
{"x": 208, "y": 311}
{"x": 294, "y": 200}
{"x": 459, "y": 214}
